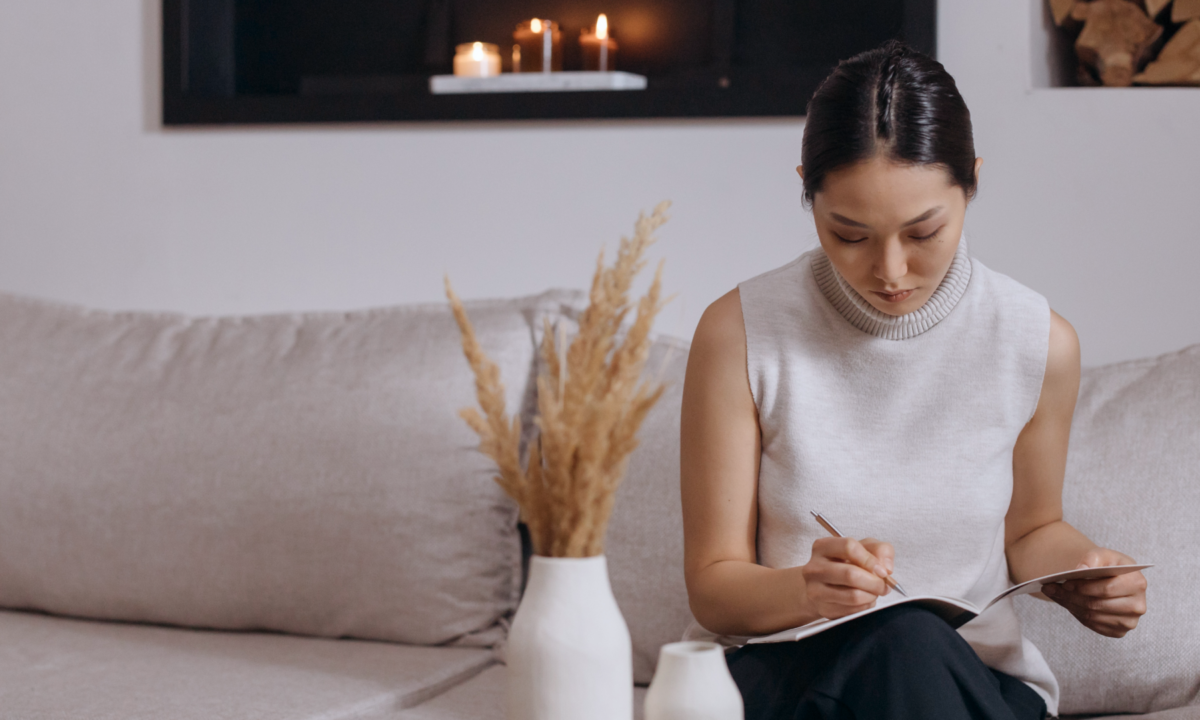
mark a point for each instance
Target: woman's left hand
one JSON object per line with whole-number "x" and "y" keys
{"x": 1110, "y": 606}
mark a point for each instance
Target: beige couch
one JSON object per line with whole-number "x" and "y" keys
{"x": 281, "y": 517}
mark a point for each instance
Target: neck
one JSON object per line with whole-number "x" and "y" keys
{"x": 866, "y": 317}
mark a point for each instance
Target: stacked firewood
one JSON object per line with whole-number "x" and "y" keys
{"x": 1126, "y": 42}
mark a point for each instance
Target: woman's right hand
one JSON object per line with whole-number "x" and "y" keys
{"x": 845, "y": 576}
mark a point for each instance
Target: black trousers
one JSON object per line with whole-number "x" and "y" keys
{"x": 902, "y": 663}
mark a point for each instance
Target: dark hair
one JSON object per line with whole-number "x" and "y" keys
{"x": 892, "y": 100}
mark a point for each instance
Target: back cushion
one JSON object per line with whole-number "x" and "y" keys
{"x": 1133, "y": 484}
{"x": 644, "y": 544}
{"x": 304, "y": 473}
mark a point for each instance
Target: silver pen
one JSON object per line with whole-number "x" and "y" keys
{"x": 834, "y": 532}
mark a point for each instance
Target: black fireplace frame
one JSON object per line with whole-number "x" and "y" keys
{"x": 201, "y": 84}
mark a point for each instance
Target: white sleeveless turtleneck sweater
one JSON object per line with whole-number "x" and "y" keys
{"x": 900, "y": 428}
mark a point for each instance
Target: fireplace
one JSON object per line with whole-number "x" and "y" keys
{"x": 271, "y": 61}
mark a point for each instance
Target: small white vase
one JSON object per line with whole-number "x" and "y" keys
{"x": 569, "y": 655}
{"x": 692, "y": 682}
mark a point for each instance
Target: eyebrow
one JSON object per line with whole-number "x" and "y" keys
{"x": 854, "y": 223}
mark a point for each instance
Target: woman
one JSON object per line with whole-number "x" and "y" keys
{"x": 913, "y": 395}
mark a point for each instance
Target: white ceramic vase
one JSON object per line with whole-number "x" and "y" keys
{"x": 569, "y": 655}
{"x": 692, "y": 682}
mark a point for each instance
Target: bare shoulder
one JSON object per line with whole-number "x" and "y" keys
{"x": 722, "y": 327}
{"x": 716, "y": 365}
{"x": 1060, "y": 385}
{"x": 1062, "y": 360}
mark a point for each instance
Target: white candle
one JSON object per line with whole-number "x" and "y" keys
{"x": 477, "y": 60}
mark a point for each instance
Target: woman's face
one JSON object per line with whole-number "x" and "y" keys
{"x": 891, "y": 230}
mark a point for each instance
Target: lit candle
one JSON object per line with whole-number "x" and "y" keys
{"x": 598, "y": 48}
{"x": 476, "y": 59}
{"x": 538, "y": 46}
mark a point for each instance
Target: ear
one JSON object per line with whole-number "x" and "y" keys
{"x": 978, "y": 164}
{"x": 800, "y": 170}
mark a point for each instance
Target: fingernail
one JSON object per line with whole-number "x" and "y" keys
{"x": 1082, "y": 566}
{"x": 881, "y": 571}
{"x": 890, "y": 565}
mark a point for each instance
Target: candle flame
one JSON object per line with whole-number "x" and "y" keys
{"x": 535, "y": 25}
{"x": 602, "y": 26}
{"x": 477, "y": 51}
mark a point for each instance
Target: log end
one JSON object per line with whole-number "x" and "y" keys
{"x": 1184, "y": 10}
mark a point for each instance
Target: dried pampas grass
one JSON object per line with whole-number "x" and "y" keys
{"x": 591, "y": 403}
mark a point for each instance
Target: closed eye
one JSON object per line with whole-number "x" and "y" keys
{"x": 930, "y": 236}
{"x": 848, "y": 242}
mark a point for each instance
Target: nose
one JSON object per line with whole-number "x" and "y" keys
{"x": 891, "y": 262}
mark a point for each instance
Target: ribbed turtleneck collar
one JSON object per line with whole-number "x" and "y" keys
{"x": 864, "y": 316}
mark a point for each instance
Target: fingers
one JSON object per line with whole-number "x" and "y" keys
{"x": 844, "y": 563}
{"x": 882, "y": 550}
{"x": 850, "y": 598}
{"x": 852, "y": 551}
{"x": 845, "y": 576}
{"x": 834, "y": 601}
{"x": 1127, "y": 605}
{"x": 1109, "y": 606}
{"x": 1105, "y": 623}
{"x": 1118, "y": 586}
{"x": 842, "y": 577}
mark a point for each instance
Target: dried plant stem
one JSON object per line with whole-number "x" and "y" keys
{"x": 591, "y": 403}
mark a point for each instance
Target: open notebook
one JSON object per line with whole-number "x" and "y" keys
{"x": 955, "y": 611}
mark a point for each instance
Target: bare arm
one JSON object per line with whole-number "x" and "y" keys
{"x": 720, "y": 448}
{"x": 1037, "y": 539}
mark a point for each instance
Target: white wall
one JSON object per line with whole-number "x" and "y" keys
{"x": 1089, "y": 196}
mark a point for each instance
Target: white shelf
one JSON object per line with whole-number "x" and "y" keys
{"x": 570, "y": 81}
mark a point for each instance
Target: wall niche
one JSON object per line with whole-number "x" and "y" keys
{"x": 1117, "y": 43}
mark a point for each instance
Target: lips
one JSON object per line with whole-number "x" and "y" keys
{"x": 894, "y": 297}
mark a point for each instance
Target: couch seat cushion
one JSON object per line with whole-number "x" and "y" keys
{"x": 52, "y": 668}
{"x": 483, "y": 698}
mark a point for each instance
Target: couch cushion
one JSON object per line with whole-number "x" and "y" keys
{"x": 61, "y": 669}
{"x": 484, "y": 698}
{"x": 1133, "y": 484}
{"x": 305, "y": 473}
{"x": 644, "y": 544}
